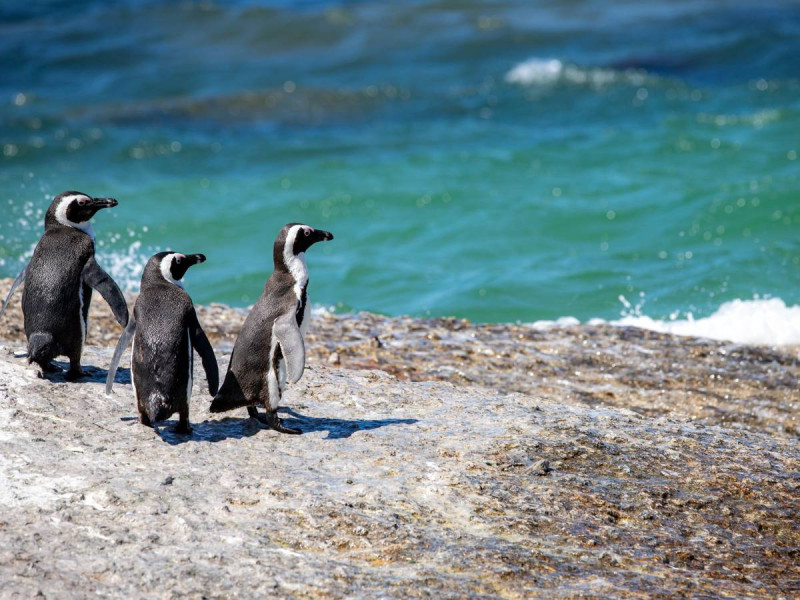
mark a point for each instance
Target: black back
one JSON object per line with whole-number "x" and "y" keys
{"x": 53, "y": 282}
{"x": 162, "y": 357}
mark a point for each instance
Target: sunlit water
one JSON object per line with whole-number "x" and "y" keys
{"x": 500, "y": 161}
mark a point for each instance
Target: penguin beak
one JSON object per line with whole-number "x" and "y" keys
{"x": 195, "y": 259}
{"x": 98, "y": 203}
{"x": 322, "y": 236}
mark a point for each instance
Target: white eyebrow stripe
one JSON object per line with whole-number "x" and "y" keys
{"x": 61, "y": 215}
{"x": 166, "y": 263}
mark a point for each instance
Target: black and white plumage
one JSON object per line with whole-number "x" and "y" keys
{"x": 165, "y": 331}
{"x": 270, "y": 348}
{"x": 59, "y": 280}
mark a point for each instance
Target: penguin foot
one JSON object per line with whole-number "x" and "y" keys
{"x": 271, "y": 420}
{"x": 75, "y": 374}
{"x": 49, "y": 367}
{"x": 274, "y": 422}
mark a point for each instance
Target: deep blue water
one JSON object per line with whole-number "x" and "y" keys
{"x": 501, "y": 161}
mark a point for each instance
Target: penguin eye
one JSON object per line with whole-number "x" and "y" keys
{"x": 307, "y": 232}
{"x": 177, "y": 260}
{"x": 81, "y": 201}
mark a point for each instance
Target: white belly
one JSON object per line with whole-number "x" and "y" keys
{"x": 276, "y": 381}
{"x": 273, "y": 385}
{"x": 306, "y": 318}
{"x": 80, "y": 315}
{"x": 281, "y": 375}
{"x": 191, "y": 368}
{"x": 133, "y": 379}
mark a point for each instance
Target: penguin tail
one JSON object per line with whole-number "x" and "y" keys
{"x": 227, "y": 400}
{"x": 229, "y": 396}
{"x": 157, "y": 408}
{"x": 222, "y": 403}
{"x": 41, "y": 348}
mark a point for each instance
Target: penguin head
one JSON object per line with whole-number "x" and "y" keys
{"x": 171, "y": 266}
{"x": 74, "y": 209}
{"x": 294, "y": 239}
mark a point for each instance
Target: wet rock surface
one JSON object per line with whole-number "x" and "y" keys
{"x": 714, "y": 383}
{"x": 438, "y": 459}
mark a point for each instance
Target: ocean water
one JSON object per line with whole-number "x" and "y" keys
{"x": 513, "y": 160}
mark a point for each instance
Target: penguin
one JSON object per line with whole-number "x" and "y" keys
{"x": 59, "y": 280}
{"x": 165, "y": 330}
{"x": 270, "y": 346}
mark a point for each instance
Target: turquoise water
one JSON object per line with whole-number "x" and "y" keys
{"x": 499, "y": 161}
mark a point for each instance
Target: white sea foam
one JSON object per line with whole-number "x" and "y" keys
{"x": 124, "y": 267}
{"x": 758, "y": 321}
{"x": 538, "y": 71}
{"x": 562, "y": 322}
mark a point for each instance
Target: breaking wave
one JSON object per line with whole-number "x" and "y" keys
{"x": 756, "y": 321}
{"x": 538, "y": 71}
{"x": 767, "y": 321}
{"x": 124, "y": 267}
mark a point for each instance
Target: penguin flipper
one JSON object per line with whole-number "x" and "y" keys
{"x": 95, "y": 277}
{"x": 291, "y": 340}
{"x": 122, "y": 344}
{"x": 13, "y": 289}
{"x": 203, "y": 347}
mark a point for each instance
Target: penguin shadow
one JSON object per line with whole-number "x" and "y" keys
{"x": 61, "y": 367}
{"x": 236, "y": 428}
{"x": 337, "y": 428}
{"x": 207, "y": 431}
{"x": 122, "y": 376}
{"x": 92, "y": 373}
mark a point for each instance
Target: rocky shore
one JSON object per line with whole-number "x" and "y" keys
{"x": 439, "y": 459}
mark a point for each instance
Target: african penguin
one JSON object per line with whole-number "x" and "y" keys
{"x": 270, "y": 346}
{"x": 59, "y": 280}
{"x": 165, "y": 330}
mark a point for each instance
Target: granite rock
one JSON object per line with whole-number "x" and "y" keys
{"x": 439, "y": 458}
{"x": 396, "y": 488}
